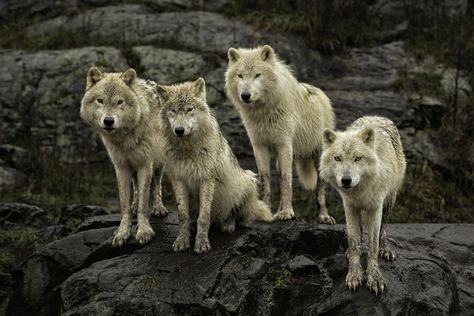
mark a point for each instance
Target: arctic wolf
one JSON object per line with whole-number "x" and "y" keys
{"x": 120, "y": 107}
{"x": 283, "y": 118}
{"x": 200, "y": 162}
{"x": 366, "y": 165}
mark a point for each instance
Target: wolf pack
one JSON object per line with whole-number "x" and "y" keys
{"x": 151, "y": 130}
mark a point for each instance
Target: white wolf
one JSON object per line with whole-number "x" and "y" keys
{"x": 283, "y": 118}
{"x": 200, "y": 161}
{"x": 366, "y": 165}
{"x": 124, "y": 110}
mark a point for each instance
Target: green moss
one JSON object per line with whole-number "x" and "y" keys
{"x": 243, "y": 262}
{"x": 147, "y": 282}
{"x": 16, "y": 245}
{"x": 280, "y": 277}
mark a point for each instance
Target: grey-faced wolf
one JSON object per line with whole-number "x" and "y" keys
{"x": 199, "y": 161}
{"x": 283, "y": 118}
{"x": 123, "y": 109}
{"x": 366, "y": 165}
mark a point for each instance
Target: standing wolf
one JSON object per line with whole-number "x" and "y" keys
{"x": 366, "y": 165}
{"x": 283, "y": 118}
{"x": 121, "y": 107}
{"x": 200, "y": 161}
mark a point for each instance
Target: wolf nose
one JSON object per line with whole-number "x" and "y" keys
{"x": 245, "y": 96}
{"x": 179, "y": 131}
{"x": 346, "y": 180}
{"x": 109, "y": 121}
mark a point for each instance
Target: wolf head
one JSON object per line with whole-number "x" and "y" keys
{"x": 184, "y": 106}
{"x": 110, "y": 103}
{"x": 348, "y": 159}
{"x": 250, "y": 74}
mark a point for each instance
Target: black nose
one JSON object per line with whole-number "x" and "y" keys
{"x": 346, "y": 180}
{"x": 109, "y": 121}
{"x": 179, "y": 131}
{"x": 245, "y": 96}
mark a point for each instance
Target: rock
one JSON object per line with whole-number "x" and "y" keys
{"x": 40, "y": 95}
{"x": 168, "y": 66}
{"x": 10, "y": 179}
{"x": 21, "y": 214}
{"x": 6, "y": 291}
{"x": 278, "y": 268}
{"x": 81, "y": 211}
{"x": 15, "y": 162}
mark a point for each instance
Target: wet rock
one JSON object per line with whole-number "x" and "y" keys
{"x": 21, "y": 214}
{"x": 279, "y": 268}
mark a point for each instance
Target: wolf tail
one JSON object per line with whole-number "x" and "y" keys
{"x": 254, "y": 209}
{"x": 307, "y": 173}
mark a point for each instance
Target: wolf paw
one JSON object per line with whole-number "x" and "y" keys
{"x": 121, "y": 235}
{"x": 181, "y": 243}
{"x": 284, "y": 215}
{"x": 387, "y": 254}
{"x": 354, "y": 277}
{"x": 144, "y": 234}
{"x": 326, "y": 219}
{"x": 375, "y": 281}
{"x": 228, "y": 227}
{"x": 159, "y": 210}
{"x": 202, "y": 243}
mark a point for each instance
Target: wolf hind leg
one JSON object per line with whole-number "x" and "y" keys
{"x": 158, "y": 208}
{"x": 385, "y": 251}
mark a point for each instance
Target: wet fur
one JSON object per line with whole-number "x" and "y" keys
{"x": 379, "y": 174}
{"x": 202, "y": 163}
{"x": 286, "y": 120}
{"x": 134, "y": 147}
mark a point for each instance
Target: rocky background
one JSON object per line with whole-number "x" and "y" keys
{"x": 411, "y": 61}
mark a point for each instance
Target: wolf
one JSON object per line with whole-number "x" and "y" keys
{"x": 366, "y": 165}
{"x": 200, "y": 162}
{"x": 283, "y": 118}
{"x": 121, "y": 108}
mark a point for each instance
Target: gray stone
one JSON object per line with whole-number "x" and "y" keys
{"x": 167, "y": 66}
{"x": 21, "y": 214}
{"x": 279, "y": 268}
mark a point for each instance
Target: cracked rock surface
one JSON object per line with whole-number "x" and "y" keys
{"x": 285, "y": 268}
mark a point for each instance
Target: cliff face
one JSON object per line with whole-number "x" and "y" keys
{"x": 284, "y": 268}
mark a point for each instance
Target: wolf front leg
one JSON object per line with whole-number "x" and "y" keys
{"x": 182, "y": 242}
{"x": 262, "y": 157}
{"x": 375, "y": 281}
{"x": 355, "y": 274}
{"x": 206, "y": 195}
{"x": 124, "y": 179}
{"x": 144, "y": 231}
{"x": 158, "y": 208}
{"x": 385, "y": 251}
{"x": 285, "y": 163}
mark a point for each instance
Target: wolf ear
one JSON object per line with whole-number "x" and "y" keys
{"x": 367, "y": 136}
{"x": 267, "y": 53}
{"x": 329, "y": 136}
{"x": 233, "y": 55}
{"x": 129, "y": 76}
{"x": 200, "y": 88}
{"x": 162, "y": 93}
{"x": 93, "y": 76}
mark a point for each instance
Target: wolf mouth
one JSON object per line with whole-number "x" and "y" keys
{"x": 108, "y": 129}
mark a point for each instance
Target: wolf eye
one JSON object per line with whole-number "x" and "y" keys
{"x": 337, "y": 158}
{"x": 240, "y": 76}
{"x": 173, "y": 110}
{"x": 358, "y": 158}
{"x": 189, "y": 110}
{"x": 257, "y": 75}
{"x": 100, "y": 100}
{"x": 119, "y": 102}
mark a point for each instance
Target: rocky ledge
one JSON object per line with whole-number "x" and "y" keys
{"x": 284, "y": 268}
